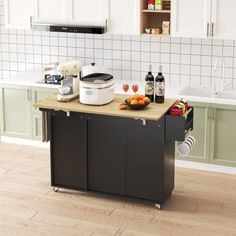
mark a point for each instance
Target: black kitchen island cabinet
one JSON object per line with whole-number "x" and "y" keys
{"x": 104, "y": 149}
{"x": 68, "y": 150}
{"x": 122, "y": 156}
{"x": 106, "y": 154}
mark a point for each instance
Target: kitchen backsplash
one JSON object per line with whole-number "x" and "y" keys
{"x": 186, "y": 61}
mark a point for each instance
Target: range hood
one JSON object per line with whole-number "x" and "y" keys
{"x": 69, "y": 28}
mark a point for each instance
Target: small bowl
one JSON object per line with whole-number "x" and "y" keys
{"x": 136, "y": 107}
{"x": 148, "y": 31}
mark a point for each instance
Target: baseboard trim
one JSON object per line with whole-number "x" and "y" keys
{"x": 206, "y": 167}
{"x": 24, "y": 142}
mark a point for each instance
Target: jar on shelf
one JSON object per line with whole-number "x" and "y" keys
{"x": 158, "y": 4}
{"x": 151, "y": 4}
{"x": 166, "y": 4}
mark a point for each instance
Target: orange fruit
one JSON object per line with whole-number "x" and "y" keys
{"x": 146, "y": 100}
{"x": 123, "y": 106}
{"x": 141, "y": 102}
{"x": 129, "y": 100}
{"x": 140, "y": 97}
{"x": 134, "y": 102}
{"x": 135, "y": 97}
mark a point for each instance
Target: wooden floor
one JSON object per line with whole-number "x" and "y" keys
{"x": 202, "y": 204}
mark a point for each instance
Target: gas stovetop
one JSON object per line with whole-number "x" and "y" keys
{"x": 51, "y": 79}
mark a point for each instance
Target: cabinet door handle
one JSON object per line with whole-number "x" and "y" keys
{"x": 106, "y": 25}
{"x": 212, "y": 29}
{"x": 208, "y": 26}
{"x": 28, "y": 95}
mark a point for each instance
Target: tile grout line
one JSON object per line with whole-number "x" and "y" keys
{"x": 40, "y": 58}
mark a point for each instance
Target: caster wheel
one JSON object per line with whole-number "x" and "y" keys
{"x": 159, "y": 206}
{"x": 55, "y": 190}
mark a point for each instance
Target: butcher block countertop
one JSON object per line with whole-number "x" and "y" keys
{"x": 153, "y": 112}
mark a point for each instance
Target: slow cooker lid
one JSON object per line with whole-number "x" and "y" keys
{"x": 97, "y": 78}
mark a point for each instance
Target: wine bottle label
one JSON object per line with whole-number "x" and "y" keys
{"x": 160, "y": 89}
{"x": 149, "y": 88}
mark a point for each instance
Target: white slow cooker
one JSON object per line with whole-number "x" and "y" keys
{"x": 96, "y": 88}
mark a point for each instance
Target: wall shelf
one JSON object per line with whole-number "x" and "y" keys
{"x": 167, "y": 35}
{"x": 156, "y": 11}
{"x": 153, "y": 19}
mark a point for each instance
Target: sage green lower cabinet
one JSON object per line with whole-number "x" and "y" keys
{"x": 16, "y": 109}
{"x": 223, "y": 135}
{"x": 201, "y": 131}
{"x": 18, "y": 117}
{"x": 215, "y": 133}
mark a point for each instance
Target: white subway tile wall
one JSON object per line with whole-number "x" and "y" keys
{"x": 186, "y": 61}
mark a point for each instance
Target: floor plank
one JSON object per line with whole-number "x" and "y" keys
{"x": 203, "y": 203}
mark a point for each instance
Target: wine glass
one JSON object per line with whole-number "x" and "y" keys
{"x": 135, "y": 88}
{"x": 126, "y": 87}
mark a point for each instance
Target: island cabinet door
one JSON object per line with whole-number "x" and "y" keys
{"x": 145, "y": 157}
{"x": 106, "y": 154}
{"x": 69, "y": 150}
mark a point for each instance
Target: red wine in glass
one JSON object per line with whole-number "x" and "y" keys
{"x": 135, "y": 88}
{"x": 126, "y": 87}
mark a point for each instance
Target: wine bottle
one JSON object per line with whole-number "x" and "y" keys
{"x": 149, "y": 84}
{"x": 160, "y": 87}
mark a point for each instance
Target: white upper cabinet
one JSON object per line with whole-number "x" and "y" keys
{"x": 93, "y": 12}
{"x": 15, "y": 16}
{"x": 223, "y": 19}
{"x": 190, "y": 18}
{"x": 124, "y": 16}
{"x": 50, "y": 11}
{"x": 203, "y": 19}
{"x": 72, "y": 12}
{"x": 120, "y": 16}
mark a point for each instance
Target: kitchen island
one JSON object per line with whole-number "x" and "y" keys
{"x": 103, "y": 149}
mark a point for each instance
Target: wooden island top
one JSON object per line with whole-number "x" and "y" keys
{"x": 153, "y": 112}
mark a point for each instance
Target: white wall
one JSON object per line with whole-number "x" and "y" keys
{"x": 185, "y": 60}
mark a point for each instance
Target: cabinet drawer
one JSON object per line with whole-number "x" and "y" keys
{"x": 176, "y": 126}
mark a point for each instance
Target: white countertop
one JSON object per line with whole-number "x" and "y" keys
{"x": 30, "y": 78}
{"x": 172, "y": 92}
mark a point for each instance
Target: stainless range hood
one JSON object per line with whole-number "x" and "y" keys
{"x": 78, "y": 29}
{"x": 69, "y": 28}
